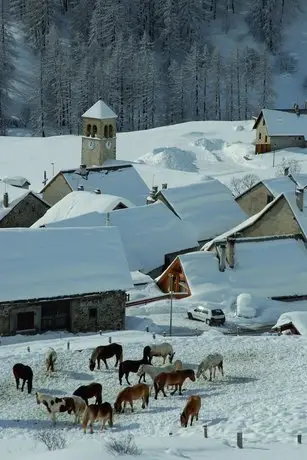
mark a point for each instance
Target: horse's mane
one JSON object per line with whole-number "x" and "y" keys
{"x": 94, "y": 354}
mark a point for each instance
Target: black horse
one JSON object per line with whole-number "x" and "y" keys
{"x": 129, "y": 365}
{"x": 24, "y": 373}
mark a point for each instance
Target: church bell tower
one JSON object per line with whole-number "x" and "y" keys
{"x": 99, "y": 135}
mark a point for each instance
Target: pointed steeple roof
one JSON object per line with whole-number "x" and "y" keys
{"x": 99, "y": 111}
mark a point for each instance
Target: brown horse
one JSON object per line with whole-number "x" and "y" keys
{"x": 176, "y": 378}
{"x": 90, "y": 391}
{"x": 93, "y": 412}
{"x": 105, "y": 352}
{"x": 191, "y": 409}
{"x": 24, "y": 373}
{"x": 130, "y": 394}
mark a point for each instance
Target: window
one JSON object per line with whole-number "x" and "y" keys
{"x": 92, "y": 313}
{"x": 105, "y": 131}
{"x": 259, "y": 136}
{"x": 88, "y": 130}
{"x": 266, "y": 139}
{"x": 94, "y": 132}
{"x": 110, "y": 131}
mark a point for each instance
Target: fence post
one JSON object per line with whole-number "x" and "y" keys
{"x": 28, "y": 348}
{"x": 205, "y": 431}
{"x": 147, "y": 329}
{"x": 153, "y": 335}
{"x": 100, "y": 332}
{"x": 164, "y": 334}
{"x": 238, "y": 330}
{"x": 110, "y": 339}
{"x": 240, "y": 440}
{"x": 68, "y": 345}
{"x": 299, "y": 439}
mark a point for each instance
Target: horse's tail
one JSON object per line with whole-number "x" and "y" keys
{"x": 221, "y": 367}
{"x": 120, "y": 372}
{"x": 146, "y": 397}
{"x": 121, "y": 355}
{"x": 85, "y": 417}
{"x": 111, "y": 417}
{"x": 146, "y": 354}
{"x": 30, "y": 382}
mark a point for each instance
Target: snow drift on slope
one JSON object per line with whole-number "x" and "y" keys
{"x": 171, "y": 158}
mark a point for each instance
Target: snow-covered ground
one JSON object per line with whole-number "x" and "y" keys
{"x": 261, "y": 394}
{"x": 177, "y": 155}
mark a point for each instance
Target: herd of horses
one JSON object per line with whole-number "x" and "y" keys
{"x": 172, "y": 375}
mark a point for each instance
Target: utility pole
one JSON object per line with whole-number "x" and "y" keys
{"x": 170, "y": 278}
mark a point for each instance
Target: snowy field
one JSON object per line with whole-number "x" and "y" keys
{"x": 262, "y": 393}
{"x": 178, "y": 155}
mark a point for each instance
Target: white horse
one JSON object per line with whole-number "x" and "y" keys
{"x": 54, "y": 405}
{"x": 50, "y": 359}
{"x": 153, "y": 371}
{"x": 163, "y": 349}
{"x": 211, "y": 363}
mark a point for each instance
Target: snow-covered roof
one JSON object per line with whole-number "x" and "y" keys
{"x": 242, "y": 226}
{"x": 300, "y": 216}
{"x": 208, "y": 206}
{"x": 100, "y": 110}
{"x": 297, "y": 318}
{"x": 78, "y": 203}
{"x": 16, "y": 181}
{"x": 277, "y": 185}
{"x": 140, "y": 278}
{"x": 121, "y": 181}
{"x": 43, "y": 263}
{"x": 15, "y": 195}
{"x": 148, "y": 232}
{"x": 281, "y": 123}
{"x": 263, "y": 267}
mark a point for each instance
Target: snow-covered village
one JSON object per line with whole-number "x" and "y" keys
{"x": 153, "y": 229}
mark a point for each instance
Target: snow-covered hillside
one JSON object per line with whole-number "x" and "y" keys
{"x": 177, "y": 155}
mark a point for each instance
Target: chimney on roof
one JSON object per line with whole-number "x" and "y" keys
{"x": 221, "y": 254}
{"x": 231, "y": 252}
{"x": 152, "y": 196}
{"x": 80, "y": 187}
{"x": 5, "y": 200}
{"x": 286, "y": 171}
{"x": 296, "y": 109}
{"x": 97, "y": 191}
{"x": 164, "y": 186}
{"x": 299, "y": 192}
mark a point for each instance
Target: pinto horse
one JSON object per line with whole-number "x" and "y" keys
{"x": 130, "y": 394}
{"x": 105, "y": 352}
{"x": 93, "y": 412}
{"x": 176, "y": 378}
{"x": 89, "y": 391}
{"x": 24, "y": 373}
{"x": 191, "y": 409}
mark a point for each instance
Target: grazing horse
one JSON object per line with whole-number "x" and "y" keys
{"x": 89, "y": 391}
{"x": 161, "y": 349}
{"x": 105, "y": 352}
{"x": 191, "y": 409}
{"x": 24, "y": 373}
{"x": 75, "y": 405}
{"x": 176, "y": 378}
{"x": 56, "y": 405}
{"x": 50, "y": 359}
{"x": 153, "y": 371}
{"x": 130, "y": 394}
{"x": 93, "y": 412}
{"x": 211, "y": 362}
{"x": 130, "y": 365}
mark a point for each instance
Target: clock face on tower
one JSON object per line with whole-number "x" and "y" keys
{"x": 108, "y": 144}
{"x": 91, "y": 144}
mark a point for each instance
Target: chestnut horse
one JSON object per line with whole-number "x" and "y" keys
{"x": 104, "y": 352}
{"x": 93, "y": 412}
{"x": 89, "y": 391}
{"x": 130, "y": 394}
{"x": 24, "y": 373}
{"x": 176, "y": 378}
{"x": 191, "y": 409}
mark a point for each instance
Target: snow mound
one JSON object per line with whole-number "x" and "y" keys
{"x": 245, "y": 306}
{"x": 171, "y": 158}
{"x": 210, "y": 144}
{"x": 239, "y": 128}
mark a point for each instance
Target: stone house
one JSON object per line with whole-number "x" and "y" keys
{"x": 280, "y": 129}
{"x": 285, "y": 215}
{"x": 69, "y": 279}
{"x": 259, "y": 195}
{"x": 20, "y": 208}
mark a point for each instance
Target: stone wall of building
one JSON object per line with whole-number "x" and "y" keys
{"x": 109, "y": 308}
{"x": 25, "y": 213}
{"x": 87, "y": 313}
{"x": 255, "y": 199}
